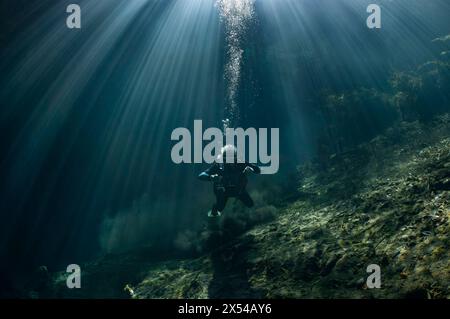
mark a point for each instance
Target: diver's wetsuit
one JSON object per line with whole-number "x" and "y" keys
{"x": 232, "y": 183}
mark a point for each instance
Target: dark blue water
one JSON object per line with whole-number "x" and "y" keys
{"x": 86, "y": 115}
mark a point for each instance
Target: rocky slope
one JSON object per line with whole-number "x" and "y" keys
{"x": 385, "y": 203}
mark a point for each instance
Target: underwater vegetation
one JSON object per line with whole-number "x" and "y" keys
{"x": 410, "y": 95}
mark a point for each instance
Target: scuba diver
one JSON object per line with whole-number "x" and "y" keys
{"x": 229, "y": 179}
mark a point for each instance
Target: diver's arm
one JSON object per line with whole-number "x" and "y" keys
{"x": 254, "y": 168}
{"x": 209, "y": 174}
{"x": 204, "y": 176}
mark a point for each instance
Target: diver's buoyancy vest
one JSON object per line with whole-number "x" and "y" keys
{"x": 232, "y": 176}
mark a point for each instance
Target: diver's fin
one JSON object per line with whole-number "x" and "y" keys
{"x": 212, "y": 215}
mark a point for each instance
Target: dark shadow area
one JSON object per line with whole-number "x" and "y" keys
{"x": 231, "y": 272}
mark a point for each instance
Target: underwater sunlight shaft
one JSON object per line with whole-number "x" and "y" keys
{"x": 87, "y": 115}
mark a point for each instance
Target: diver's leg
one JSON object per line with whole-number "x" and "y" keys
{"x": 221, "y": 201}
{"x": 246, "y": 199}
